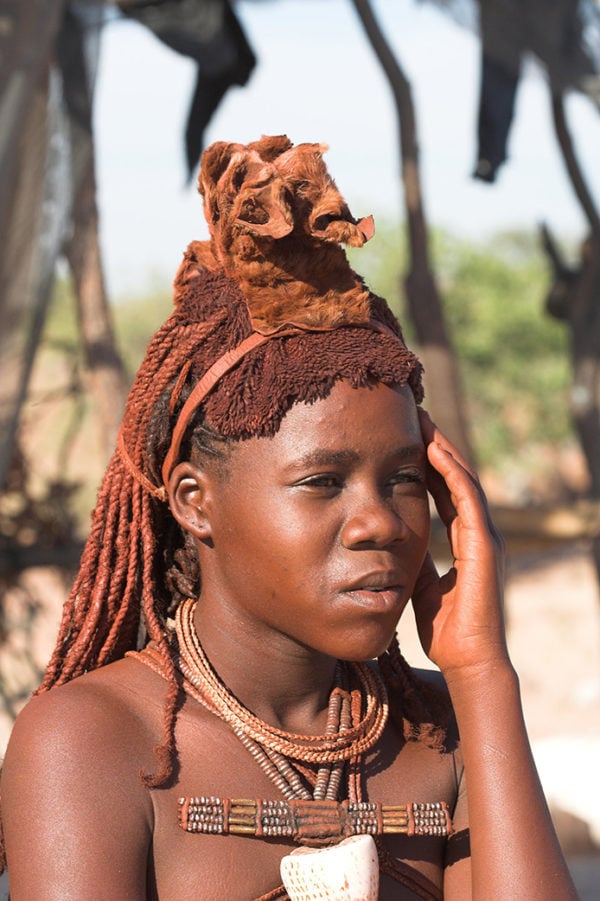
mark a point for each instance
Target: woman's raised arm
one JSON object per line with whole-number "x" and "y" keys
{"x": 514, "y": 850}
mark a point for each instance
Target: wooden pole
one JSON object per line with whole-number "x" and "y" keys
{"x": 445, "y": 400}
{"x": 582, "y": 314}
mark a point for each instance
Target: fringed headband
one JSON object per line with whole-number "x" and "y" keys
{"x": 274, "y": 268}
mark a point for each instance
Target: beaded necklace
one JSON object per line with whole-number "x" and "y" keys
{"x": 285, "y": 757}
{"x": 357, "y": 715}
{"x": 311, "y": 814}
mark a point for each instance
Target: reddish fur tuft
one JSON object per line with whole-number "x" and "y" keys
{"x": 276, "y": 220}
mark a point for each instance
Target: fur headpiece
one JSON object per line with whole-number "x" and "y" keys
{"x": 276, "y": 220}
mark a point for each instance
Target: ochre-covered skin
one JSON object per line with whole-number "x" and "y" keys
{"x": 292, "y": 525}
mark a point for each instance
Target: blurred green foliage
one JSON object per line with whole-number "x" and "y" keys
{"x": 513, "y": 357}
{"x": 135, "y": 319}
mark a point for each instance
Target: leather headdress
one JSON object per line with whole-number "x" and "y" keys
{"x": 276, "y": 220}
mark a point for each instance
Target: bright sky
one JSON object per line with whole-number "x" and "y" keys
{"x": 317, "y": 80}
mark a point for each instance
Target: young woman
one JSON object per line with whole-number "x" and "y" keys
{"x": 227, "y": 683}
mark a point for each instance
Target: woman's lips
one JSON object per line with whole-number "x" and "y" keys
{"x": 374, "y": 598}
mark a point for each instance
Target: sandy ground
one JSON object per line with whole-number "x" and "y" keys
{"x": 553, "y": 619}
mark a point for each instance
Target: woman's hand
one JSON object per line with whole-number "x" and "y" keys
{"x": 461, "y": 626}
{"x": 459, "y": 615}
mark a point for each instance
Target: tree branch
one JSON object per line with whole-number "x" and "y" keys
{"x": 571, "y": 162}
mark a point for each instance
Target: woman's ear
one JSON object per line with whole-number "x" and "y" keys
{"x": 188, "y": 491}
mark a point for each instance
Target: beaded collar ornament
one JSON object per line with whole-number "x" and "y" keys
{"x": 307, "y": 770}
{"x": 303, "y": 768}
{"x": 357, "y": 715}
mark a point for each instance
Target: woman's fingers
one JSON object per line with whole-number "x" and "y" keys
{"x": 432, "y": 434}
{"x": 454, "y": 486}
{"x": 459, "y": 614}
{"x": 436, "y": 483}
{"x": 447, "y": 479}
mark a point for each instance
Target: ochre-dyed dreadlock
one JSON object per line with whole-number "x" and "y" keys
{"x": 270, "y": 269}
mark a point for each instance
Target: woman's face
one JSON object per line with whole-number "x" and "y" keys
{"x": 317, "y": 534}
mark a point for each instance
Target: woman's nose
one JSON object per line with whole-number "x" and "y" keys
{"x": 373, "y": 522}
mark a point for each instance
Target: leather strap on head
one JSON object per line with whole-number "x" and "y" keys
{"x": 200, "y": 391}
{"x": 138, "y": 475}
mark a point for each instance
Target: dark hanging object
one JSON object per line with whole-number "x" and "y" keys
{"x": 209, "y": 32}
{"x": 496, "y": 110}
{"x": 562, "y": 36}
{"x": 214, "y": 81}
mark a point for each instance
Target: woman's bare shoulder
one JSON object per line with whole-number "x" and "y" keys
{"x": 120, "y": 701}
{"x": 433, "y": 680}
{"x": 71, "y": 784}
{"x": 431, "y": 677}
{"x": 85, "y": 736}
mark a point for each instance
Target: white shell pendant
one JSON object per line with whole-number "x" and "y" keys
{"x": 345, "y": 872}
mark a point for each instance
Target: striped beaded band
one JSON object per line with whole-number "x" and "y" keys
{"x": 312, "y": 822}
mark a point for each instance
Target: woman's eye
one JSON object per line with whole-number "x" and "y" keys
{"x": 410, "y": 476}
{"x": 322, "y": 481}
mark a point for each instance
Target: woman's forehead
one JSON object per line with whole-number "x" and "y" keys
{"x": 348, "y": 403}
{"x": 347, "y": 418}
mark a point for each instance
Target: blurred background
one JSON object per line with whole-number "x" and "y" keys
{"x": 471, "y": 131}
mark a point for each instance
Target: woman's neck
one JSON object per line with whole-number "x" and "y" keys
{"x": 281, "y": 682}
